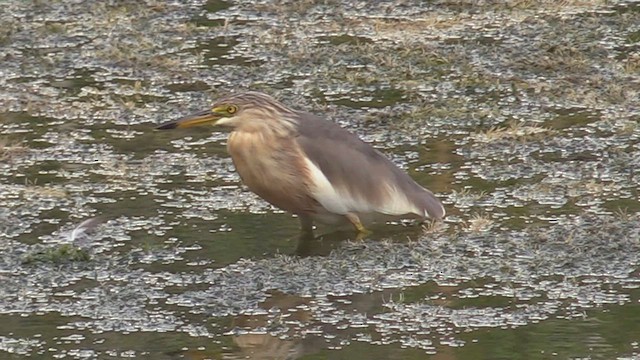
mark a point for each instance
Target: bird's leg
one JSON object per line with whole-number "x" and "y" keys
{"x": 355, "y": 221}
{"x": 306, "y": 224}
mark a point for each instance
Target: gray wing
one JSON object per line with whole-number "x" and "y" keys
{"x": 358, "y": 169}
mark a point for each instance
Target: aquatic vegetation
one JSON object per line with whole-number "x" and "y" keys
{"x": 521, "y": 115}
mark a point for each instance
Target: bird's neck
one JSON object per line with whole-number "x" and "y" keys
{"x": 267, "y": 128}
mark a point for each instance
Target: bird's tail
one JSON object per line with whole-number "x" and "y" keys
{"x": 430, "y": 205}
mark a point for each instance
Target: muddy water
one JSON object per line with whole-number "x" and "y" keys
{"x": 522, "y": 119}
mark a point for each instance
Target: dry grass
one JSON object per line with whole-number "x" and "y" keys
{"x": 514, "y": 130}
{"x": 479, "y": 223}
{"x": 433, "y": 227}
{"x": 9, "y": 149}
{"x": 632, "y": 64}
{"x": 628, "y": 127}
{"x": 553, "y": 6}
{"x": 468, "y": 193}
{"x": 32, "y": 189}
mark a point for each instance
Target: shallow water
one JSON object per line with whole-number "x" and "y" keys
{"x": 522, "y": 119}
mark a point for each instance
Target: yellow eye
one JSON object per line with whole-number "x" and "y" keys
{"x": 232, "y": 109}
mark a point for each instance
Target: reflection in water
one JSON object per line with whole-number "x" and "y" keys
{"x": 285, "y": 341}
{"x": 321, "y": 244}
{"x": 266, "y": 346}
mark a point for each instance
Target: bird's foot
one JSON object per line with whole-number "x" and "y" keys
{"x": 362, "y": 231}
{"x": 362, "y": 234}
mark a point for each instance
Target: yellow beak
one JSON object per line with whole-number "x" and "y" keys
{"x": 199, "y": 118}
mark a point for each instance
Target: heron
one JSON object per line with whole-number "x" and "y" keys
{"x": 312, "y": 167}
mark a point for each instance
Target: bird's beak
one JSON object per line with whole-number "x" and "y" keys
{"x": 199, "y": 118}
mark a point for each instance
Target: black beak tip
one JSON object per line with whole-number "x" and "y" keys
{"x": 167, "y": 126}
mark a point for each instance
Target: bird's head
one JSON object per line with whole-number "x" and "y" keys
{"x": 250, "y": 111}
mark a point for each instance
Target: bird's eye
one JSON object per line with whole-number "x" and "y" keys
{"x": 232, "y": 109}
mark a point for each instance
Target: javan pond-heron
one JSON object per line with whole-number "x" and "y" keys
{"x": 312, "y": 167}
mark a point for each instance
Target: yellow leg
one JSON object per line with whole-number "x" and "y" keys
{"x": 355, "y": 220}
